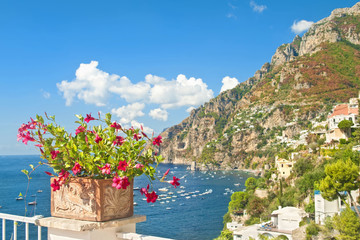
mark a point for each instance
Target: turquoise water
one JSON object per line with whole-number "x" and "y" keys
{"x": 194, "y": 213}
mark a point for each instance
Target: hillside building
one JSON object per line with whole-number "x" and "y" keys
{"x": 346, "y": 111}
{"x": 284, "y": 167}
{"x": 325, "y": 208}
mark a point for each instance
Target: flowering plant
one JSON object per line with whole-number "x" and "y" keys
{"x": 110, "y": 152}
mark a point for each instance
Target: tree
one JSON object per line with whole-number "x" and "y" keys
{"x": 302, "y": 166}
{"x": 345, "y": 126}
{"x": 342, "y": 176}
{"x": 348, "y": 225}
{"x": 238, "y": 201}
{"x": 250, "y": 184}
{"x": 255, "y": 207}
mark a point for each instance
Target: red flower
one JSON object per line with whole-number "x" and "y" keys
{"x": 120, "y": 182}
{"x": 49, "y": 173}
{"x": 88, "y": 118}
{"x": 76, "y": 169}
{"x": 151, "y": 197}
{"x": 119, "y": 141}
{"x": 116, "y": 125}
{"x": 98, "y": 139}
{"x": 54, "y": 154}
{"x": 63, "y": 175}
{"x": 175, "y": 181}
{"x": 106, "y": 169}
{"x": 80, "y": 129}
{"x": 55, "y": 185}
{"x": 157, "y": 140}
{"x": 137, "y": 136}
{"x": 122, "y": 165}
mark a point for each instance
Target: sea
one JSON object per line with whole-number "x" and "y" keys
{"x": 194, "y": 210}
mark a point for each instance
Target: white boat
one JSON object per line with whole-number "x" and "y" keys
{"x": 168, "y": 208}
{"x": 187, "y": 197}
{"x": 163, "y": 189}
{"x": 19, "y": 198}
{"x": 32, "y": 203}
{"x": 135, "y": 204}
{"x": 39, "y": 191}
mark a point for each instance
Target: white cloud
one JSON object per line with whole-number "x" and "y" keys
{"x": 129, "y": 112}
{"x": 129, "y": 91}
{"x": 190, "y": 109}
{"x": 90, "y": 85}
{"x": 159, "y": 114}
{"x": 45, "y": 94}
{"x": 256, "y": 7}
{"x": 180, "y": 92}
{"x": 228, "y": 83}
{"x": 301, "y": 26}
{"x": 231, "y": 15}
{"x": 147, "y": 130}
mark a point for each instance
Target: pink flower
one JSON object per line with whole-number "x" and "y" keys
{"x": 49, "y": 173}
{"x": 27, "y": 137}
{"x": 80, "y": 129}
{"x": 122, "y": 165}
{"x": 76, "y": 169}
{"x": 55, "y": 185}
{"x": 98, "y": 139}
{"x": 116, "y": 125}
{"x": 54, "y": 154}
{"x": 139, "y": 166}
{"x": 151, "y": 197}
{"x": 106, "y": 169}
{"x": 120, "y": 182}
{"x": 143, "y": 191}
{"x": 137, "y": 136}
{"x": 165, "y": 174}
{"x": 175, "y": 181}
{"x": 88, "y": 118}
{"x": 157, "y": 140}
{"x": 63, "y": 175}
{"x": 119, "y": 141}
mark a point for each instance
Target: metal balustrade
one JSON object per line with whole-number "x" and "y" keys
{"x": 19, "y": 219}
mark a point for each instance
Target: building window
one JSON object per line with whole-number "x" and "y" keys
{"x": 282, "y": 165}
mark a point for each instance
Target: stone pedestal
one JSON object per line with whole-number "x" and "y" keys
{"x": 70, "y": 229}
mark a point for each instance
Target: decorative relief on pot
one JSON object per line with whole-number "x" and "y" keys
{"x": 76, "y": 198}
{"x": 92, "y": 200}
{"x": 115, "y": 201}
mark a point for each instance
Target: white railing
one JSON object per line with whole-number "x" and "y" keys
{"x": 135, "y": 236}
{"x": 16, "y": 219}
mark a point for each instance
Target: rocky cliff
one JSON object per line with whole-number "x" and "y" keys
{"x": 250, "y": 124}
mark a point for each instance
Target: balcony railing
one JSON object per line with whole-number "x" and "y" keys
{"x": 16, "y": 220}
{"x": 60, "y": 228}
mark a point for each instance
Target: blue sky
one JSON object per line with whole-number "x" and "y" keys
{"x": 145, "y": 61}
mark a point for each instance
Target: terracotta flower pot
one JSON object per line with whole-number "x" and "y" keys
{"x": 92, "y": 200}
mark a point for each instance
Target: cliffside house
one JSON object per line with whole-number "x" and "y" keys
{"x": 283, "y": 222}
{"x": 325, "y": 208}
{"x": 345, "y": 111}
{"x": 284, "y": 167}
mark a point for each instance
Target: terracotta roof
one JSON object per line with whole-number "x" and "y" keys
{"x": 344, "y": 109}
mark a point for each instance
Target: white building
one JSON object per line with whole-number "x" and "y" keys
{"x": 283, "y": 222}
{"x": 325, "y": 208}
{"x": 284, "y": 167}
{"x": 347, "y": 111}
{"x": 232, "y": 226}
{"x": 287, "y": 218}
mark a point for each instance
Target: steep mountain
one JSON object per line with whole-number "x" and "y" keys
{"x": 246, "y": 126}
